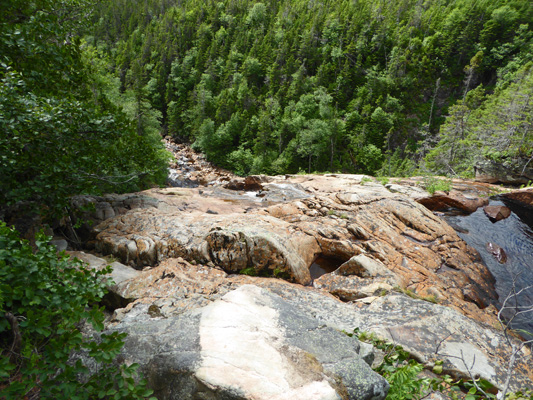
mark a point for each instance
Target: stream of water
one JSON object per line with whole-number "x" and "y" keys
{"x": 515, "y": 237}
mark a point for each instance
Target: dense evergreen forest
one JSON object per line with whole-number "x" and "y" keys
{"x": 276, "y": 86}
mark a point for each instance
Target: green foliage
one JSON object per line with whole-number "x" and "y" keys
{"x": 366, "y": 179}
{"x": 400, "y": 370}
{"x": 369, "y": 158}
{"x": 250, "y": 271}
{"x": 281, "y": 274}
{"x": 521, "y": 395}
{"x": 407, "y": 380}
{"x": 433, "y": 184}
{"x": 283, "y": 86}
{"x": 276, "y": 273}
{"x": 61, "y": 132}
{"x": 495, "y": 127}
{"x": 338, "y": 214}
{"x": 44, "y": 300}
{"x": 383, "y": 180}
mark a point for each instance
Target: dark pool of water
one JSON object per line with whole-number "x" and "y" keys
{"x": 516, "y": 238}
{"x": 323, "y": 265}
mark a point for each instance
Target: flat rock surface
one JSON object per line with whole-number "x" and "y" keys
{"x": 189, "y": 248}
{"x": 248, "y": 344}
{"x": 329, "y": 216}
{"x": 176, "y": 291}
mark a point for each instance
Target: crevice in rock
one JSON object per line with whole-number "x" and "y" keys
{"x": 113, "y": 301}
{"x": 324, "y": 265}
{"x": 424, "y": 243}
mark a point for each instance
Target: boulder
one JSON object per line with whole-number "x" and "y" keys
{"x": 497, "y": 213}
{"x": 428, "y": 331}
{"x": 421, "y": 252}
{"x": 88, "y": 211}
{"x": 114, "y": 298}
{"x": 522, "y": 197}
{"x": 497, "y": 252}
{"x": 254, "y": 182}
{"x": 249, "y": 344}
{"x": 59, "y": 243}
{"x": 235, "y": 184}
{"x": 119, "y": 273}
{"x": 521, "y": 203}
{"x": 176, "y": 299}
{"x": 359, "y": 277}
{"x": 441, "y": 201}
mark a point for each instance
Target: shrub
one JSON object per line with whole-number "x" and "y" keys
{"x": 44, "y": 301}
{"x": 399, "y": 370}
{"x": 383, "y": 180}
{"x": 434, "y": 184}
{"x": 366, "y": 179}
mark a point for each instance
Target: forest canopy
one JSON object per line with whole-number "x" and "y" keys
{"x": 277, "y": 86}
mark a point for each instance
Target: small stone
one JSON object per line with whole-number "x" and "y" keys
{"x": 60, "y": 244}
{"x": 498, "y": 253}
{"x": 154, "y": 311}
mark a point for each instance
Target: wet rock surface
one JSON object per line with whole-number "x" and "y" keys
{"x": 498, "y": 252}
{"x": 506, "y": 247}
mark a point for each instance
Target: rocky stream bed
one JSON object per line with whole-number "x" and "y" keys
{"x": 241, "y": 288}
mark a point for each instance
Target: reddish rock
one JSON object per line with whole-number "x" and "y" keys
{"x": 386, "y": 240}
{"x": 235, "y": 184}
{"x": 422, "y": 253}
{"x": 441, "y": 201}
{"x": 523, "y": 197}
{"x": 253, "y": 183}
{"x": 497, "y": 213}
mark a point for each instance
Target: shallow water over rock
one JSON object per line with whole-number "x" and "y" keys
{"x": 515, "y": 238}
{"x": 176, "y": 178}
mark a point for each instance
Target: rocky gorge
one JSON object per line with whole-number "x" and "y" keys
{"x": 242, "y": 288}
